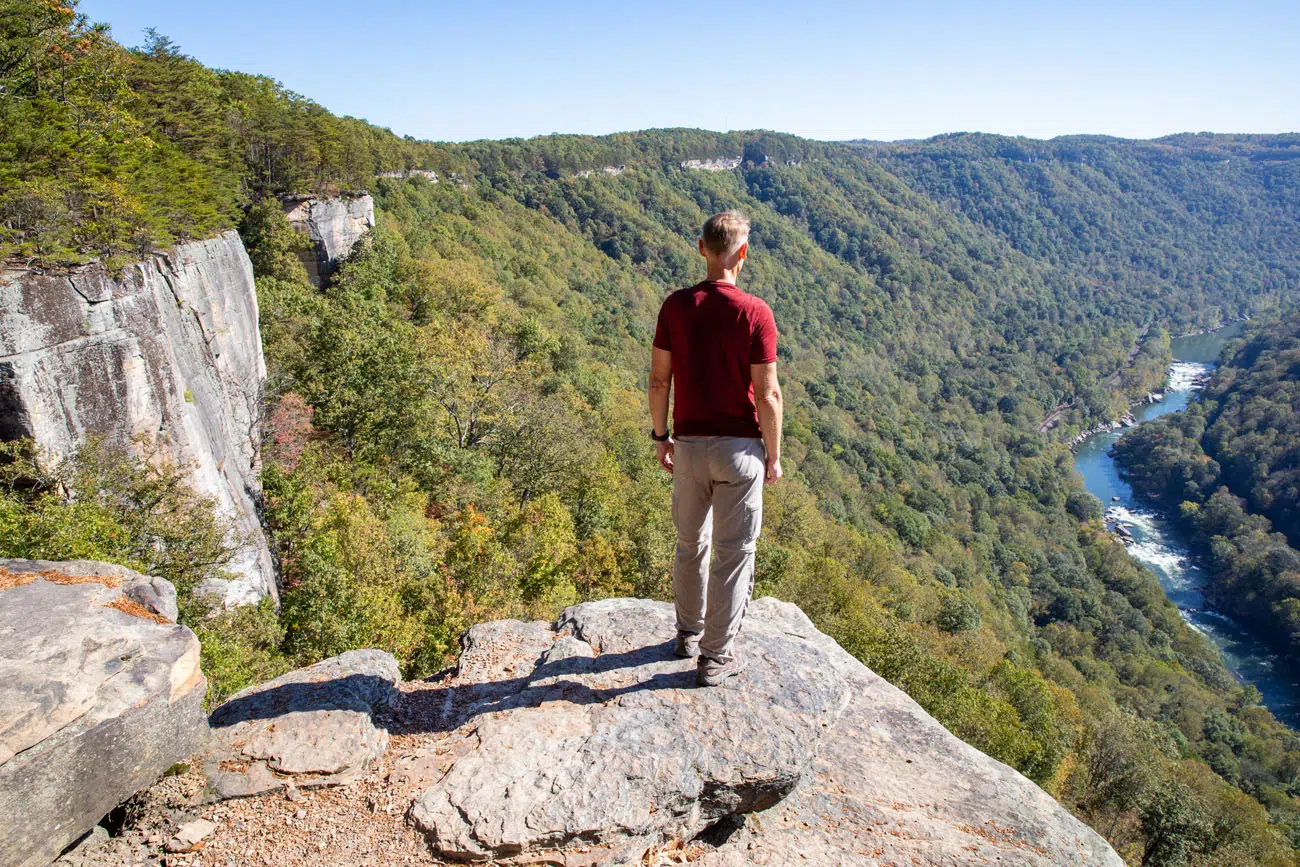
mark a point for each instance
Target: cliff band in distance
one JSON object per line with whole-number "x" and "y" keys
{"x": 334, "y": 226}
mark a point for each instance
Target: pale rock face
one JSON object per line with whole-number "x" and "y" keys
{"x": 334, "y": 226}
{"x": 169, "y": 350}
{"x": 97, "y": 699}
{"x": 586, "y": 742}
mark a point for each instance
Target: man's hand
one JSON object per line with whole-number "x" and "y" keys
{"x": 773, "y": 471}
{"x": 665, "y": 455}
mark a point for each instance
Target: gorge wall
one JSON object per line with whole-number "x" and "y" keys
{"x": 169, "y": 350}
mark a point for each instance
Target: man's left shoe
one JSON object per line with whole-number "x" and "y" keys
{"x": 688, "y": 644}
{"x": 711, "y": 672}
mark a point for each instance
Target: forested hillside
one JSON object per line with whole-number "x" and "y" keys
{"x": 1231, "y": 462}
{"x": 1175, "y": 224}
{"x": 109, "y": 152}
{"x": 455, "y": 424}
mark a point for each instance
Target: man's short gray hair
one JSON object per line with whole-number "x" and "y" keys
{"x": 725, "y": 232}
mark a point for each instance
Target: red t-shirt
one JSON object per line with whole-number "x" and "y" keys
{"x": 715, "y": 332}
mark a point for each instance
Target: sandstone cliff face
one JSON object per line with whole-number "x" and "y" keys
{"x": 334, "y": 226}
{"x": 169, "y": 350}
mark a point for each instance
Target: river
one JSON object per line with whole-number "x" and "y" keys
{"x": 1165, "y": 549}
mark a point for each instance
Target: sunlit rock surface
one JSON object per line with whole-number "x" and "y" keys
{"x": 334, "y": 226}
{"x": 586, "y": 741}
{"x": 99, "y": 695}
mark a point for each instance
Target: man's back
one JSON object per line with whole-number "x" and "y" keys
{"x": 715, "y": 332}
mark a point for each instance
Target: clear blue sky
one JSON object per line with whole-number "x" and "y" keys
{"x": 828, "y": 70}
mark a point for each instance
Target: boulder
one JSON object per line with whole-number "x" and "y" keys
{"x": 316, "y": 726}
{"x": 334, "y": 226}
{"x": 167, "y": 349}
{"x": 587, "y": 742}
{"x": 99, "y": 695}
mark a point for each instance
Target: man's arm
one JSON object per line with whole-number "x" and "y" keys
{"x": 771, "y": 406}
{"x": 661, "y": 380}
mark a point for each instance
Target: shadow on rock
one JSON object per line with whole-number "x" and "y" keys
{"x": 363, "y": 693}
{"x": 586, "y": 741}
{"x": 317, "y": 726}
{"x": 562, "y": 678}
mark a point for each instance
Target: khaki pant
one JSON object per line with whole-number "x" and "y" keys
{"x": 718, "y": 505}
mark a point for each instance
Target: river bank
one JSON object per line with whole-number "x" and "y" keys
{"x": 1125, "y": 421}
{"x": 1215, "y": 336}
{"x": 1157, "y": 541}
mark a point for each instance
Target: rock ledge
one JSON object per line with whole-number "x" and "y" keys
{"x": 586, "y": 742}
{"x": 315, "y": 726}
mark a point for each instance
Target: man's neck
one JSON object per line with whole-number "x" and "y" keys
{"x": 722, "y": 275}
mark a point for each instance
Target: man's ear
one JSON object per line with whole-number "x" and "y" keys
{"x": 701, "y": 245}
{"x": 742, "y": 252}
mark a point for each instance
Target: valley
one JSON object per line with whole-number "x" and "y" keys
{"x": 445, "y": 413}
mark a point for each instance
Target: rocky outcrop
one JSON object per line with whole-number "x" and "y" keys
{"x": 713, "y": 164}
{"x": 334, "y": 226}
{"x": 168, "y": 350}
{"x": 402, "y": 174}
{"x": 586, "y": 742}
{"x": 155, "y": 595}
{"x": 889, "y": 785}
{"x": 312, "y": 727}
{"x": 99, "y": 695}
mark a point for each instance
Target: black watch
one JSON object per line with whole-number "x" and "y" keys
{"x": 661, "y": 439}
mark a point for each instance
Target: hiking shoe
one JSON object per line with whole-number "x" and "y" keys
{"x": 711, "y": 672}
{"x": 688, "y": 644}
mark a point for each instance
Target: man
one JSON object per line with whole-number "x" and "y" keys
{"x": 715, "y": 346}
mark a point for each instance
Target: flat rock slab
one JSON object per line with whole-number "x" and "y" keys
{"x": 312, "y": 727}
{"x": 586, "y": 741}
{"x": 99, "y": 695}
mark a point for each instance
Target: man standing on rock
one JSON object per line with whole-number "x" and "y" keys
{"x": 716, "y": 346}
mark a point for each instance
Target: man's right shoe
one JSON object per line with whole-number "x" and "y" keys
{"x": 688, "y": 644}
{"x": 711, "y": 672}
